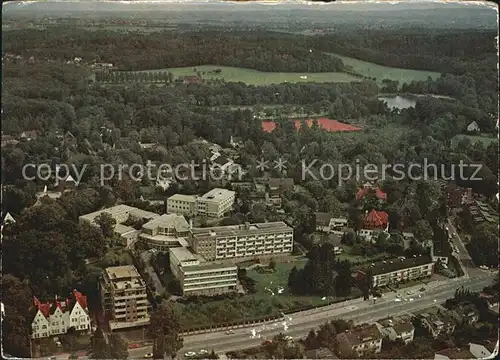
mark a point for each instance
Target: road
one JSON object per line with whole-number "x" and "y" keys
{"x": 463, "y": 255}
{"x": 146, "y": 258}
{"x": 301, "y": 323}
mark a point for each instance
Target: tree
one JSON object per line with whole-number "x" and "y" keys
{"x": 99, "y": 349}
{"x": 423, "y": 230}
{"x": 107, "y": 224}
{"x": 118, "y": 347}
{"x": 164, "y": 328}
{"x": 272, "y": 264}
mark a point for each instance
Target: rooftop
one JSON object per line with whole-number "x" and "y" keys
{"x": 322, "y": 218}
{"x": 218, "y": 194}
{"x": 248, "y": 229}
{"x": 361, "y": 334}
{"x": 183, "y": 254}
{"x": 181, "y": 197}
{"x": 119, "y": 210}
{"x": 122, "y": 272}
{"x": 387, "y": 266}
{"x": 168, "y": 221}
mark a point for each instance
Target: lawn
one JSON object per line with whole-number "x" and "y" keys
{"x": 485, "y": 139}
{"x": 385, "y": 72}
{"x": 276, "y": 279}
{"x": 255, "y": 77}
{"x": 346, "y": 255}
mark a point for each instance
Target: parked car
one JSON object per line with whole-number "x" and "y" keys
{"x": 148, "y": 356}
{"x": 190, "y": 354}
{"x": 229, "y": 332}
{"x": 203, "y": 352}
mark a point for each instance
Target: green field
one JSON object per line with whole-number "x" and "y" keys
{"x": 385, "y": 72}
{"x": 255, "y": 77}
{"x": 276, "y": 279}
{"x": 486, "y": 140}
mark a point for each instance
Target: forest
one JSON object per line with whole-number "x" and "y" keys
{"x": 109, "y": 123}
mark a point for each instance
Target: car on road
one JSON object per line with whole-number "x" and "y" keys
{"x": 484, "y": 267}
{"x": 229, "y": 332}
{"x": 203, "y": 352}
{"x": 398, "y": 296}
{"x": 409, "y": 292}
{"x": 148, "y": 356}
{"x": 190, "y": 354}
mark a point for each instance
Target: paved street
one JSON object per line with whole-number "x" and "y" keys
{"x": 301, "y": 324}
{"x": 146, "y": 257}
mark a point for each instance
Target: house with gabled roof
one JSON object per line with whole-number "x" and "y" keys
{"x": 371, "y": 190}
{"x": 374, "y": 222}
{"x": 56, "y": 317}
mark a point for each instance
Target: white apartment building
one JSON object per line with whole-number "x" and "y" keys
{"x": 124, "y": 297}
{"x": 199, "y": 278}
{"x": 182, "y": 204}
{"x": 389, "y": 272}
{"x": 262, "y": 240}
{"x": 215, "y": 203}
{"x": 360, "y": 341}
{"x": 55, "y": 318}
{"x": 165, "y": 231}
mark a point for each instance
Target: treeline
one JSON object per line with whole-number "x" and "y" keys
{"x": 442, "y": 52}
{"x": 135, "y": 51}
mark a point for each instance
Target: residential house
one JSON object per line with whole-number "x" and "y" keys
{"x": 397, "y": 328}
{"x": 55, "y": 318}
{"x": 473, "y": 127}
{"x": 323, "y": 221}
{"x": 321, "y": 353}
{"x": 361, "y": 341}
{"x": 368, "y": 189}
{"x": 30, "y": 135}
{"x": 437, "y": 320}
{"x": 466, "y": 314}
{"x": 374, "y": 222}
{"x": 457, "y": 196}
{"x": 8, "y": 219}
{"x": 338, "y": 225}
{"x": 388, "y": 272}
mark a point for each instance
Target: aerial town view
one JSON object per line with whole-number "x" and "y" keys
{"x": 250, "y": 180}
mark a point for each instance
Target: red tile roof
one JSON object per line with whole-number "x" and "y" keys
{"x": 66, "y": 305}
{"x": 366, "y": 190}
{"x": 329, "y": 125}
{"x": 376, "y": 220}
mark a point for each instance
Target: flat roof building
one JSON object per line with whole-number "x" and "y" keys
{"x": 198, "y": 277}
{"x": 214, "y": 203}
{"x": 243, "y": 241}
{"x": 124, "y": 297}
{"x": 389, "y": 272}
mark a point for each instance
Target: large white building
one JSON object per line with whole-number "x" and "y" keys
{"x": 213, "y": 204}
{"x": 165, "y": 231}
{"x": 124, "y": 297}
{"x": 197, "y": 277}
{"x": 55, "y": 318}
{"x": 262, "y": 240}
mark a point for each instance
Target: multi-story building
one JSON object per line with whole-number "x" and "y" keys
{"x": 55, "y": 318}
{"x": 182, "y": 204}
{"x": 165, "y": 231}
{"x": 215, "y": 203}
{"x": 124, "y": 297}
{"x": 121, "y": 214}
{"x": 199, "y": 278}
{"x": 389, "y": 272}
{"x": 397, "y": 328}
{"x": 360, "y": 341}
{"x": 262, "y": 240}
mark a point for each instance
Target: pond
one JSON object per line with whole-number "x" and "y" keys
{"x": 399, "y": 102}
